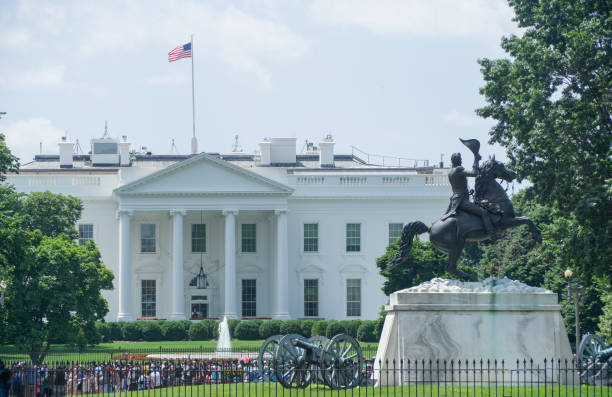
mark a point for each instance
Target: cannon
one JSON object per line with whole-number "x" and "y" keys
{"x": 594, "y": 360}
{"x": 267, "y": 354}
{"x": 337, "y": 362}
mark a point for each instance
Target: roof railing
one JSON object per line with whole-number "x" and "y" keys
{"x": 386, "y": 161}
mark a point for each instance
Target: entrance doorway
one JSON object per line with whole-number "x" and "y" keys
{"x": 199, "y": 307}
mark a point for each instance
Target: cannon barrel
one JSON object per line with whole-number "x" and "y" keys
{"x": 305, "y": 345}
{"x": 605, "y": 354}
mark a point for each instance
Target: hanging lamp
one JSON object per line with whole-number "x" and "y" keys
{"x": 201, "y": 278}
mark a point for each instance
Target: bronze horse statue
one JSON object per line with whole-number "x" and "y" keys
{"x": 450, "y": 235}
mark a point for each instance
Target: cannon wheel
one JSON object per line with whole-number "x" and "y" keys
{"x": 292, "y": 371}
{"x": 341, "y": 362}
{"x": 589, "y": 348}
{"x": 267, "y": 352}
{"x": 320, "y": 341}
{"x": 591, "y": 370}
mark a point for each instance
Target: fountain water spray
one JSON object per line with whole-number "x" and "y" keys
{"x": 224, "y": 344}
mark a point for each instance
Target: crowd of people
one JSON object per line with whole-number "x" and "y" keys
{"x": 26, "y": 380}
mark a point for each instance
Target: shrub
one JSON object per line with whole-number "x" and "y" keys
{"x": 334, "y": 328}
{"x": 104, "y": 331}
{"x": 151, "y": 331}
{"x": 173, "y": 330}
{"x": 269, "y": 328}
{"x": 199, "y": 331}
{"x": 319, "y": 328}
{"x": 306, "y": 327}
{"x": 131, "y": 331}
{"x": 247, "y": 330}
{"x": 353, "y": 327}
{"x": 290, "y": 327}
{"x": 115, "y": 331}
{"x": 213, "y": 326}
{"x": 232, "y": 324}
{"x": 366, "y": 331}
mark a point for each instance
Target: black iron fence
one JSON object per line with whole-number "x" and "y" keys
{"x": 245, "y": 377}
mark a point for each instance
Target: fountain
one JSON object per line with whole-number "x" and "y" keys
{"x": 222, "y": 352}
{"x": 224, "y": 344}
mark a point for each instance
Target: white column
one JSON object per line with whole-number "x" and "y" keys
{"x": 230, "y": 263}
{"x": 125, "y": 268}
{"x": 177, "y": 295}
{"x": 282, "y": 266}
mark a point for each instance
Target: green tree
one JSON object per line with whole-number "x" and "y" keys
{"x": 423, "y": 264}
{"x": 8, "y": 162}
{"x": 605, "y": 321}
{"x": 543, "y": 265}
{"x": 52, "y": 214}
{"x": 55, "y": 290}
{"x": 552, "y": 100}
{"x": 53, "y": 285}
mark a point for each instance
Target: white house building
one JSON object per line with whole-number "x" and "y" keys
{"x": 274, "y": 234}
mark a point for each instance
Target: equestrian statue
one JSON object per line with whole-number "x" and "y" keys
{"x": 464, "y": 220}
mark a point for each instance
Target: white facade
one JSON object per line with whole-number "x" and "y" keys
{"x": 262, "y": 249}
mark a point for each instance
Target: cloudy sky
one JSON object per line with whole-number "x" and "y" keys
{"x": 398, "y": 78}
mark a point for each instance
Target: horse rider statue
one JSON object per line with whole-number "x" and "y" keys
{"x": 460, "y": 200}
{"x": 465, "y": 220}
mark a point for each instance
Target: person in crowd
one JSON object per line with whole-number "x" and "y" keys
{"x": 5, "y": 380}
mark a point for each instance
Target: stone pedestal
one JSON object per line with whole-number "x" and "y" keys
{"x": 448, "y": 320}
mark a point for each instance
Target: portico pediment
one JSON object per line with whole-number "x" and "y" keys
{"x": 206, "y": 175}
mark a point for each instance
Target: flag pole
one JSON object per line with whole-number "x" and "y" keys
{"x": 194, "y": 141}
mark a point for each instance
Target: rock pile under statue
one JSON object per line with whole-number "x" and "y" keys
{"x": 495, "y": 319}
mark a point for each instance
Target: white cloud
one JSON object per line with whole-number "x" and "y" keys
{"x": 243, "y": 42}
{"x": 41, "y": 77}
{"x": 456, "y": 118}
{"x": 479, "y": 19}
{"x": 14, "y": 38}
{"x": 23, "y": 137}
{"x": 171, "y": 78}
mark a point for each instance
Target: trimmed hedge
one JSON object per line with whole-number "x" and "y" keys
{"x": 247, "y": 330}
{"x": 151, "y": 331}
{"x": 200, "y": 331}
{"x": 290, "y": 327}
{"x": 173, "y": 330}
{"x": 232, "y": 324}
{"x": 367, "y": 331}
{"x": 269, "y": 328}
{"x": 306, "y": 327}
{"x": 334, "y": 328}
{"x": 353, "y": 327}
{"x": 319, "y": 328}
{"x": 131, "y": 331}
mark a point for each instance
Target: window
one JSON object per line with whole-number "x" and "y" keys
{"x": 147, "y": 237}
{"x": 249, "y": 237}
{"x": 353, "y": 237}
{"x": 395, "y": 231}
{"x": 311, "y": 297}
{"x": 249, "y": 298}
{"x": 353, "y": 297}
{"x": 311, "y": 237}
{"x": 198, "y": 238}
{"x": 148, "y": 291}
{"x": 85, "y": 233}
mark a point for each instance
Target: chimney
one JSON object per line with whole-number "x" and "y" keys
{"x": 264, "y": 148}
{"x": 326, "y": 152}
{"x": 65, "y": 149}
{"x": 124, "y": 152}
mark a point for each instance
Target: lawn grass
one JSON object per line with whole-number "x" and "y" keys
{"x": 275, "y": 389}
{"x": 136, "y": 350}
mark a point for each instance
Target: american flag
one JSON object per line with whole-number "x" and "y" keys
{"x": 180, "y": 52}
